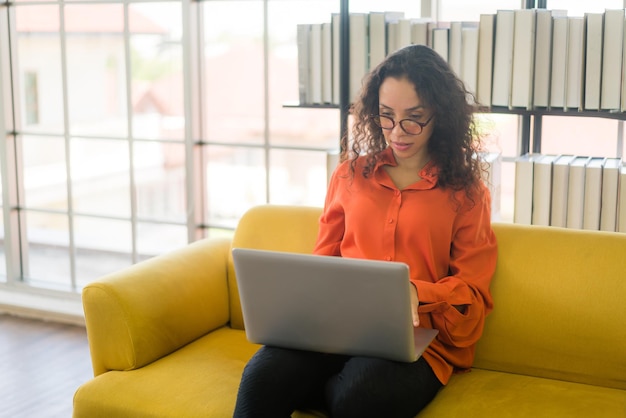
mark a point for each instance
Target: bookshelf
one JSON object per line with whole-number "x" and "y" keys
{"x": 530, "y": 121}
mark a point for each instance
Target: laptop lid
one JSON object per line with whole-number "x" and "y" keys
{"x": 328, "y": 304}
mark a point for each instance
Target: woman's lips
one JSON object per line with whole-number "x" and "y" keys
{"x": 401, "y": 146}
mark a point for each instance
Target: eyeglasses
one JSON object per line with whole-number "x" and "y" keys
{"x": 410, "y": 126}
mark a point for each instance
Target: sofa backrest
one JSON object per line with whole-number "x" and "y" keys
{"x": 276, "y": 228}
{"x": 560, "y": 305}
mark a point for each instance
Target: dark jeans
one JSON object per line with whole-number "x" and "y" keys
{"x": 278, "y": 381}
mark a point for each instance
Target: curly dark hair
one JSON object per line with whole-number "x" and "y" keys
{"x": 454, "y": 144}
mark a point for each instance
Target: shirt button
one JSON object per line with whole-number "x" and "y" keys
{"x": 390, "y": 220}
{"x": 397, "y": 192}
{"x": 388, "y": 258}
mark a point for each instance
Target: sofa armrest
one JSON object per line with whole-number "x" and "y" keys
{"x": 146, "y": 311}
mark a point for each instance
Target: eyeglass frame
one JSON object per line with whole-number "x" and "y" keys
{"x": 422, "y": 125}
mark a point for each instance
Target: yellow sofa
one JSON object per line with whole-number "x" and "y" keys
{"x": 166, "y": 335}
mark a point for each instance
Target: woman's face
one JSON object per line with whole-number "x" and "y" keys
{"x": 399, "y": 101}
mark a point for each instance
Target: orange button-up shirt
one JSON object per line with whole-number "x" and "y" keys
{"x": 444, "y": 238}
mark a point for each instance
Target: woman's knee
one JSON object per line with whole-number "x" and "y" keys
{"x": 369, "y": 387}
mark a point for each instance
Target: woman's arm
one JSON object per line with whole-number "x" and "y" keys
{"x": 458, "y": 303}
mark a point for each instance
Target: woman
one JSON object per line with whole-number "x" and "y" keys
{"x": 409, "y": 189}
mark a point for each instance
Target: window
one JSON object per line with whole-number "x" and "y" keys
{"x": 132, "y": 128}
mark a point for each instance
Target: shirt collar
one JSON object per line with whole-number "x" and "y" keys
{"x": 428, "y": 173}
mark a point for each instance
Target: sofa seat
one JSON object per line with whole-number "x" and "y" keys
{"x": 198, "y": 380}
{"x": 485, "y": 394}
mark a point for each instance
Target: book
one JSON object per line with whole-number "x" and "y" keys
{"x": 610, "y": 190}
{"x": 399, "y": 33}
{"x": 560, "y": 182}
{"x": 455, "y": 46}
{"x": 523, "y": 203}
{"x": 542, "y": 189}
{"x": 503, "y": 58}
{"x": 543, "y": 56}
{"x": 403, "y": 37}
{"x": 315, "y": 62}
{"x": 327, "y": 62}
{"x": 304, "y": 88}
{"x": 492, "y": 177}
{"x": 486, "y": 33}
{"x": 593, "y": 193}
{"x": 523, "y": 58}
{"x": 469, "y": 58}
{"x": 621, "y": 207}
{"x": 613, "y": 44}
{"x": 576, "y": 192}
{"x": 574, "y": 75}
{"x": 594, "y": 28}
{"x": 558, "y": 68}
{"x": 359, "y": 57}
{"x": 419, "y": 30}
{"x": 335, "y": 20}
{"x": 440, "y": 41}
{"x": 378, "y": 22}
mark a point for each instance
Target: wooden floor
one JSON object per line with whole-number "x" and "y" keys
{"x": 41, "y": 366}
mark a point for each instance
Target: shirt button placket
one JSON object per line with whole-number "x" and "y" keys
{"x": 389, "y": 237}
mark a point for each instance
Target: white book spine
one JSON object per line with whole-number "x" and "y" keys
{"x": 469, "y": 58}
{"x": 523, "y": 58}
{"x": 559, "y": 61}
{"x": 612, "y": 58}
{"x": 503, "y": 58}
{"x": 575, "y": 64}
{"x": 335, "y": 23}
{"x": 327, "y": 63}
{"x": 610, "y": 191}
{"x": 359, "y": 59}
{"x": 593, "y": 194}
{"x": 303, "y": 31}
{"x": 593, "y": 59}
{"x": 485, "y": 58}
{"x": 315, "y": 62}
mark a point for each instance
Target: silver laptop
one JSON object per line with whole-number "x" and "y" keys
{"x": 328, "y": 304}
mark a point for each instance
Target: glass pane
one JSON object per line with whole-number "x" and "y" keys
{"x": 290, "y": 126}
{"x": 102, "y": 246}
{"x": 411, "y": 9}
{"x": 235, "y": 181}
{"x": 48, "y": 257}
{"x": 3, "y": 258}
{"x": 40, "y": 83}
{"x": 507, "y": 192}
{"x": 160, "y": 180}
{"x": 234, "y": 81}
{"x": 576, "y": 8}
{"x": 298, "y": 177}
{"x": 96, "y": 69}
{"x": 155, "y": 239}
{"x": 156, "y": 70}
{"x": 100, "y": 177}
{"x": 594, "y": 137}
{"x": 45, "y": 172}
{"x": 500, "y": 132}
{"x": 463, "y": 10}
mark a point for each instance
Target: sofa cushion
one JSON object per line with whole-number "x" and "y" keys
{"x": 559, "y": 297}
{"x": 485, "y": 394}
{"x": 198, "y": 380}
